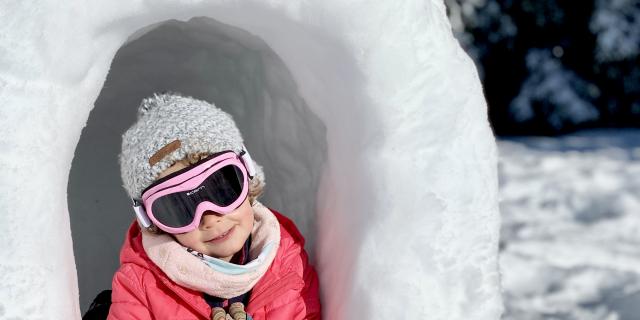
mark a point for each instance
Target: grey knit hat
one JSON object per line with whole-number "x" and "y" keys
{"x": 169, "y": 127}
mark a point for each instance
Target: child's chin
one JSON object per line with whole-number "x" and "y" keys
{"x": 226, "y": 252}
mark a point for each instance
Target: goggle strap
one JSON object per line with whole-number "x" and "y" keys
{"x": 248, "y": 162}
{"x": 141, "y": 214}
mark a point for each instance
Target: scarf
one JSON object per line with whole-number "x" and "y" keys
{"x": 218, "y": 278}
{"x": 241, "y": 257}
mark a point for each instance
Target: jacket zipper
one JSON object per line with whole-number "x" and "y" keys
{"x": 290, "y": 281}
{"x": 186, "y": 299}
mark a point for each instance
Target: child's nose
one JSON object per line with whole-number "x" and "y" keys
{"x": 209, "y": 219}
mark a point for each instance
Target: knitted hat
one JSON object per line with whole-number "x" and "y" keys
{"x": 169, "y": 127}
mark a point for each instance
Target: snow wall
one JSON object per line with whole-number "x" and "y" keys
{"x": 368, "y": 118}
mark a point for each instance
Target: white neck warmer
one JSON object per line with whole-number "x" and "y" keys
{"x": 224, "y": 280}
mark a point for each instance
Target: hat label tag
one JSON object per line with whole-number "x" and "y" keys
{"x": 164, "y": 151}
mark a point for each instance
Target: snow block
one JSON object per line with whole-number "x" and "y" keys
{"x": 406, "y": 221}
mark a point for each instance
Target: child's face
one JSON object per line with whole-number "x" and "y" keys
{"x": 237, "y": 225}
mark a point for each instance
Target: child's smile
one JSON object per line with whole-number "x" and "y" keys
{"x": 220, "y": 236}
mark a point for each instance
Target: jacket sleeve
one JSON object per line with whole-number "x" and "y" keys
{"x": 304, "y": 302}
{"x": 310, "y": 293}
{"x": 307, "y": 306}
{"x": 127, "y": 297}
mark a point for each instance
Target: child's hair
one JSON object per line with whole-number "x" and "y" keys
{"x": 256, "y": 186}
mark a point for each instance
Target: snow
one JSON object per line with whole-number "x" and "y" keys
{"x": 570, "y": 231}
{"x": 402, "y": 209}
{"x": 616, "y": 25}
{"x": 467, "y": 16}
{"x": 553, "y": 92}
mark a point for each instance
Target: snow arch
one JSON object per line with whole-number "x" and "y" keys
{"x": 212, "y": 61}
{"x": 406, "y": 216}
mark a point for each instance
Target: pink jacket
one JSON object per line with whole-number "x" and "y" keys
{"x": 288, "y": 290}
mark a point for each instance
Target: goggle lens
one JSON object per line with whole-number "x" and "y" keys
{"x": 222, "y": 187}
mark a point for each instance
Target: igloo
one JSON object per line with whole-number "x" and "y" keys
{"x": 368, "y": 117}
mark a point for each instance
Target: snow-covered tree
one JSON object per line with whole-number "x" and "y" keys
{"x": 616, "y": 24}
{"x": 553, "y": 92}
{"x": 596, "y": 54}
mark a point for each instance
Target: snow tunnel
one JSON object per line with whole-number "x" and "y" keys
{"x": 369, "y": 120}
{"x": 219, "y": 63}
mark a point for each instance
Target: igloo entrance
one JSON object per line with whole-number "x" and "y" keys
{"x": 406, "y": 202}
{"x": 208, "y": 60}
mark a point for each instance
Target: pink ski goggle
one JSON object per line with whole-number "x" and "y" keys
{"x": 175, "y": 203}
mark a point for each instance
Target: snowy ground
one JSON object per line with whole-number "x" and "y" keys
{"x": 570, "y": 244}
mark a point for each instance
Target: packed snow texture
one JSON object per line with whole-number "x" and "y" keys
{"x": 405, "y": 217}
{"x": 570, "y": 233}
{"x": 485, "y": 15}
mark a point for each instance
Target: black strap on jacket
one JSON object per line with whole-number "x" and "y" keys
{"x": 99, "y": 308}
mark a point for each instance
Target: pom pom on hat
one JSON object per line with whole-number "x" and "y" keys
{"x": 162, "y": 98}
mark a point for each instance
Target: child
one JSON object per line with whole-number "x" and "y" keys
{"x": 203, "y": 247}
